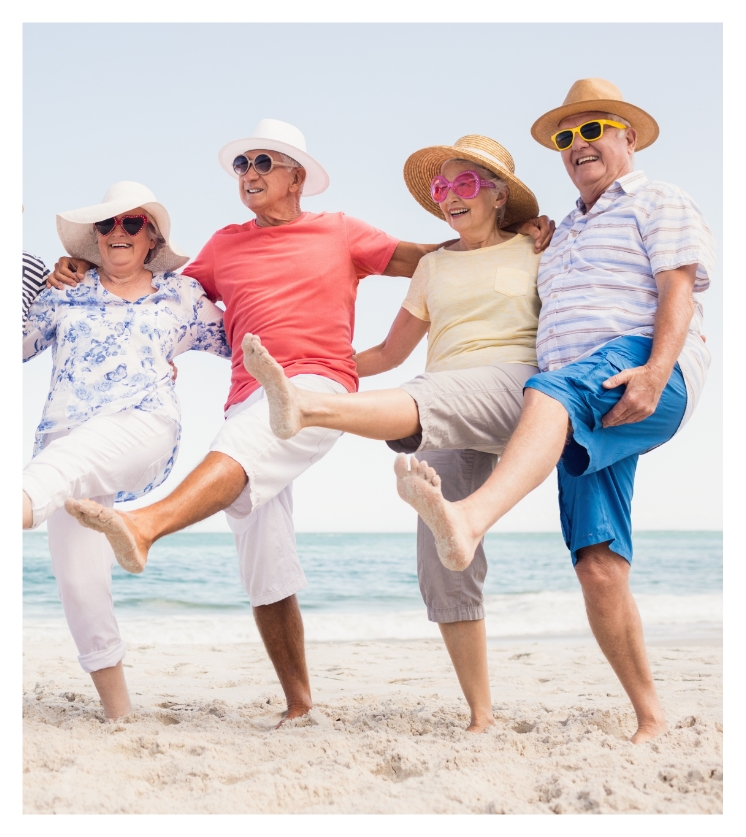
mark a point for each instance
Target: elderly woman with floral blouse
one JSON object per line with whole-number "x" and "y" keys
{"x": 111, "y": 422}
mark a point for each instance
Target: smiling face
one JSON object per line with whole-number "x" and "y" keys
{"x": 594, "y": 166}
{"x": 267, "y": 193}
{"x": 123, "y": 253}
{"x": 473, "y": 216}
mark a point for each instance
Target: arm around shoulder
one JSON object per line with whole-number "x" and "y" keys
{"x": 406, "y": 257}
{"x": 207, "y": 331}
{"x": 68, "y": 271}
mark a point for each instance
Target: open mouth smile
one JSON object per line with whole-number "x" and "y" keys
{"x": 455, "y": 213}
{"x": 589, "y": 159}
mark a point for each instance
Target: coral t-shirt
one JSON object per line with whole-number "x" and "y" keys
{"x": 294, "y": 286}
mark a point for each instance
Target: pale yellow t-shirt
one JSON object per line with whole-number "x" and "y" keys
{"x": 482, "y": 305}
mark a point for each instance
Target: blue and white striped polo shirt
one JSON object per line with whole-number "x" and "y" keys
{"x": 596, "y": 279}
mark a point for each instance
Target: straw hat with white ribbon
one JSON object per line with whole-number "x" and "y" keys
{"x": 274, "y": 135}
{"x": 422, "y": 166}
{"x": 596, "y": 94}
{"x": 79, "y": 237}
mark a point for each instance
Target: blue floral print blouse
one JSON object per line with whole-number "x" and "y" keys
{"x": 111, "y": 354}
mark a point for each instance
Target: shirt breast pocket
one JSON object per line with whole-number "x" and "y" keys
{"x": 511, "y": 282}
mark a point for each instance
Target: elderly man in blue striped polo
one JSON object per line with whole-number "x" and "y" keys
{"x": 623, "y": 364}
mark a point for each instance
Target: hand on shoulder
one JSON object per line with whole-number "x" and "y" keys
{"x": 68, "y": 272}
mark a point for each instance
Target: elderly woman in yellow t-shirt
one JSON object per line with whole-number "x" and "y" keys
{"x": 477, "y": 298}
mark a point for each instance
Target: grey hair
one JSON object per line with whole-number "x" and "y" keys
{"x": 615, "y": 118}
{"x": 621, "y": 133}
{"x": 286, "y": 158}
{"x": 486, "y": 174}
{"x": 154, "y": 235}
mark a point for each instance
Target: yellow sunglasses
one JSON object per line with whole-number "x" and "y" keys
{"x": 589, "y": 131}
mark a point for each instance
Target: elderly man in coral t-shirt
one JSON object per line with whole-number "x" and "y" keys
{"x": 291, "y": 277}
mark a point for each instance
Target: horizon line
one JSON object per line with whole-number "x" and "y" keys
{"x": 190, "y": 531}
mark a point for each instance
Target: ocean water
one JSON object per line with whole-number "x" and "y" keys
{"x": 365, "y": 586}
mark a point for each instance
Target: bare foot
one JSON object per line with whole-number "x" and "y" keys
{"x": 420, "y": 487}
{"x": 480, "y": 725}
{"x": 131, "y": 554}
{"x": 293, "y": 712}
{"x": 648, "y": 731}
{"x": 285, "y": 417}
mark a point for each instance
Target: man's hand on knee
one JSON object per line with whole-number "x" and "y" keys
{"x": 644, "y": 389}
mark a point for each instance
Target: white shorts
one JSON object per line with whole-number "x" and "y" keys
{"x": 261, "y": 519}
{"x": 108, "y": 454}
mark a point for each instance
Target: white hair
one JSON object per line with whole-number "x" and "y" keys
{"x": 615, "y": 118}
{"x": 621, "y": 132}
{"x": 486, "y": 174}
{"x": 286, "y": 158}
{"x": 154, "y": 234}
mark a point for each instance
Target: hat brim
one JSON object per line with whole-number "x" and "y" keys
{"x": 75, "y": 229}
{"x": 643, "y": 123}
{"x": 317, "y": 179}
{"x": 422, "y": 166}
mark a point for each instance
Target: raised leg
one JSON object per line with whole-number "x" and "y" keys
{"x": 467, "y": 646}
{"x": 384, "y": 414}
{"x": 211, "y": 487}
{"x": 533, "y": 451}
{"x": 615, "y": 622}
{"x": 281, "y": 627}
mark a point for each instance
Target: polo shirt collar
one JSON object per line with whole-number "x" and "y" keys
{"x": 630, "y": 184}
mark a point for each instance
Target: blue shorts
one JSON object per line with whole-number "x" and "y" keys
{"x": 596, "y": 473}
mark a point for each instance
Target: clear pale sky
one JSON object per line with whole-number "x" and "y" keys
{"x": 154, "y": 103}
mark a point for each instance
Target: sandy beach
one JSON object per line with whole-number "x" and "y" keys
{"x": 386, "y": 736}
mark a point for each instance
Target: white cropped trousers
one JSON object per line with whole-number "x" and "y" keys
{"x": 108, "y": 454}
{"x": 124, "y": 452}
{"x": 261, "y": 519}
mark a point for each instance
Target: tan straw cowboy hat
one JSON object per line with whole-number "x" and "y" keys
{"x": 596, "y": 94}
{"x": 78, "y": 235}
{"x": 422, "y": 166}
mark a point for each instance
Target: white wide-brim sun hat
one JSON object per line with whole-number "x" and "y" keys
{"x": 79, "y": 237}
{"x": 273, "y": 135}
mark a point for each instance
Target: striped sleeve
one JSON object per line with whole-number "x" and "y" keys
{"x": 676, "y": 234}
{"x": 34, "y": 278}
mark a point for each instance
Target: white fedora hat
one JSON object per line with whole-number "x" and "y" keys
{"x": 78, "y": 235}
{"x": 273, "y": 135}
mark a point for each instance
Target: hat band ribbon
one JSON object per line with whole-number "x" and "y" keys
{"x": 488, "y": 155}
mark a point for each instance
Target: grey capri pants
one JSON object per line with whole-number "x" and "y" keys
{"x": 467, "y": 417}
